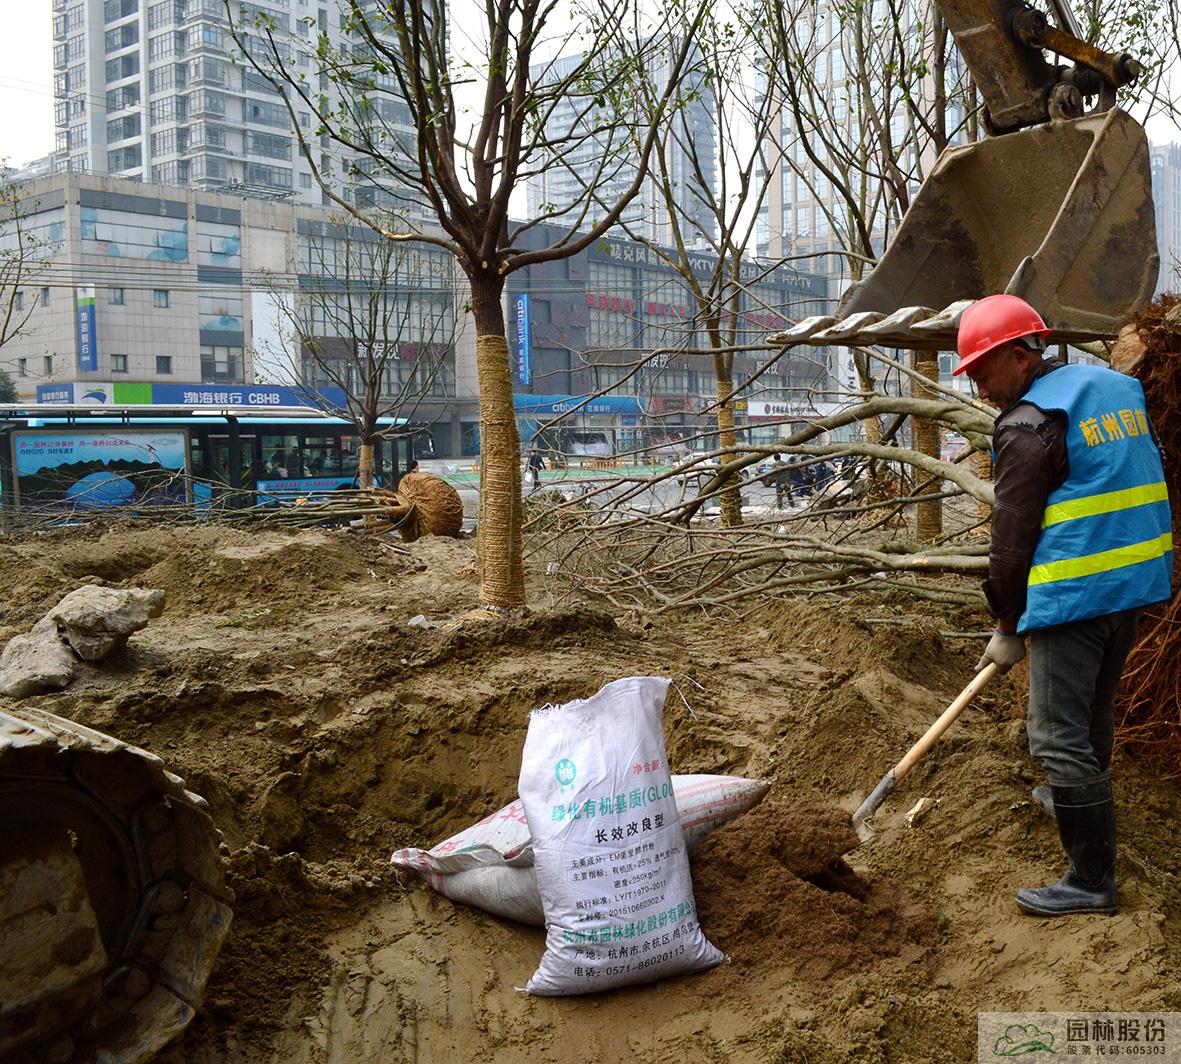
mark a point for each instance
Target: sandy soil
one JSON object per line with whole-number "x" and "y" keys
{"x": 284, "y": 684}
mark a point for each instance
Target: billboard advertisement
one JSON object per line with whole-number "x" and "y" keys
{"x": 97, "y": 469}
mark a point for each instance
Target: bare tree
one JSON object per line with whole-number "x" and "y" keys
{"x": 374, "y": 318}
{"x": 719, "y": 215}
{"x": 386, "y": 100}
{"x": 19, "y": 262}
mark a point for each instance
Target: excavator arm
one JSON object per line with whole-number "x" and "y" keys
{"x": 1002, "y": 43}
{"x": 1055, "y": 205}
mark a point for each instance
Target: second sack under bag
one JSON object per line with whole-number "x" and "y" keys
{"x": 609, "y": 853}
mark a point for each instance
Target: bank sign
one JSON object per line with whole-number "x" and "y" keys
{"x": 524, "y": 348}
{"x": 763, "y": 409}
{"x": 87, "y": 329}
{"x": 130, "y": 393}
{"x": 556, "y": 405}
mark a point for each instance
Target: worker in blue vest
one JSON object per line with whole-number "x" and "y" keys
{"x": 1081, "y": 543}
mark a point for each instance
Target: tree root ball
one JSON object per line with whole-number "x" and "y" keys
{"x": 438, "y": 507}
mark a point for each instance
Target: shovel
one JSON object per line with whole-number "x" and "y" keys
{"x": 930, "y": 738}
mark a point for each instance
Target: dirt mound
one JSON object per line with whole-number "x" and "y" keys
{"x": 286, "y": 684}
{"x": 773, "y": 891}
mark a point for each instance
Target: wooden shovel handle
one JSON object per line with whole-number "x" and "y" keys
{"x": 886, "y": 784}
{"x": 945, "y": 721}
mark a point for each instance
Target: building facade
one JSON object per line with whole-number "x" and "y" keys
{"x": 1166, "y": 195}
{"x": 153, "y": 90}
{"x": 131, "y": 282}
{"x": 859, "y": 128}
{"x": 596, "y": 151}
{"x": 618, "y": 320}
{"x": 135, "y": 284}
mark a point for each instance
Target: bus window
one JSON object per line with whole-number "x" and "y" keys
{"x": 198, "y": 456}
{"x": 280, "y": 455}
{"x": 383, "y": 461}
{"x": 350, "y": 456}
{"x": 321, "y": 456}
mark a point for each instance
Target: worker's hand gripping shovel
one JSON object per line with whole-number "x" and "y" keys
{"x": 930, "y": 738}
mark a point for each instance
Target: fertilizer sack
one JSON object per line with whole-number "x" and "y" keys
{"x": 490, "y": 864}
{"x": 608, "y": 848}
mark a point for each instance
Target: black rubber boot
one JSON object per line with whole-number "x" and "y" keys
{"x": 1086, "y": 823}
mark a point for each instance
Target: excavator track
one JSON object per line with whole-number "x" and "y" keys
{"x": 113, "y": 903}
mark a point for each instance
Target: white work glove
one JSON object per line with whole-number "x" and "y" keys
{"x": 1005, "y": 650}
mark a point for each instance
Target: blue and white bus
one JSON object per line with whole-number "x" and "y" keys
{"x": 70, "y": 460}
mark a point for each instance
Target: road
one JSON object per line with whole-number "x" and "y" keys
{"x": 602, "y": 485}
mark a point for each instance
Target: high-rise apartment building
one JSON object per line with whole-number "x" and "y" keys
{"x": 860, "y": 128}
{"x": 605, "y": 158}
{"x": 151, "y": 90}
{"x": 1166, "y": 195}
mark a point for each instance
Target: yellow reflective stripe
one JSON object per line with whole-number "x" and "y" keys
{"x": 1105, "y": 560}
{"x": 1105, "y": 503}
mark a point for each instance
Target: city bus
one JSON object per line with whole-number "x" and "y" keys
{"x": 60, "y": 461}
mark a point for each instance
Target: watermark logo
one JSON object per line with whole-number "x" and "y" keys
{"x": 565, "y": 771}
{"x": 1023, "y": 1040}
{"x": 1073, "y": 1035}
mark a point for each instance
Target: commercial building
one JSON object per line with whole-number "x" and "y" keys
{"x": 617, "y": 319}
{"x": 136, "y": 283}
{"x": 135, "y": 286}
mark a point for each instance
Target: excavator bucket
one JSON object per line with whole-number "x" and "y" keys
{"x": 1060, "y": 214}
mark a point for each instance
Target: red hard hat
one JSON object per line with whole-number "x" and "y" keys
{"x": 992, "y": 321}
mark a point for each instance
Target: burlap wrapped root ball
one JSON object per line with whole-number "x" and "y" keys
{"x": 438, "y": 509}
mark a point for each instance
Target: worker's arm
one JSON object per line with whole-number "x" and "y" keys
{"x": 1030, "y": 463}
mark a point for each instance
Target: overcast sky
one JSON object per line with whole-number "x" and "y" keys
{"x": 26, "y": 81}
{"x": 26, "y": 84}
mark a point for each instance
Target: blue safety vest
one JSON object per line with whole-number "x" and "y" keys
{"x": 1106, "y": 541}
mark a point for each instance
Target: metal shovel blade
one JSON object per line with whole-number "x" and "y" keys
{"x": 1060, "y": 214}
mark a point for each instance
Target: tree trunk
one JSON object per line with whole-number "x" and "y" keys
{"x": 873, "y": 427}
{"x": 502, "y": 574}
{"x": 731, "y": 497}
{"x": 929, "y": 519}
{"x": 982, "y": 460}
{"x": 365, "y": 468}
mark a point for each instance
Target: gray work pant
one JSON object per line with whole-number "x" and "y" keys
{"x": 1074, "y": 673}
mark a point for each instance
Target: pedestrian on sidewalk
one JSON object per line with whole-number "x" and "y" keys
{"x": 1081, "y": 543}
{"x": 535, "y": 465}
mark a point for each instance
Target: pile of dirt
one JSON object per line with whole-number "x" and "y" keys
{"x": 287, "y": 685}
{"x": 773, "y": 888}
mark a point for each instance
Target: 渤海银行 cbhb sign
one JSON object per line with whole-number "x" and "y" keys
{"x": 130, "y": 393}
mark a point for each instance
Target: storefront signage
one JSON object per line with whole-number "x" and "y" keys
{"x": 87, "y": 330}
{"x": 524, "y": 348}
{"x": 553, "y": 405}
{"x": 759, "y": 408}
